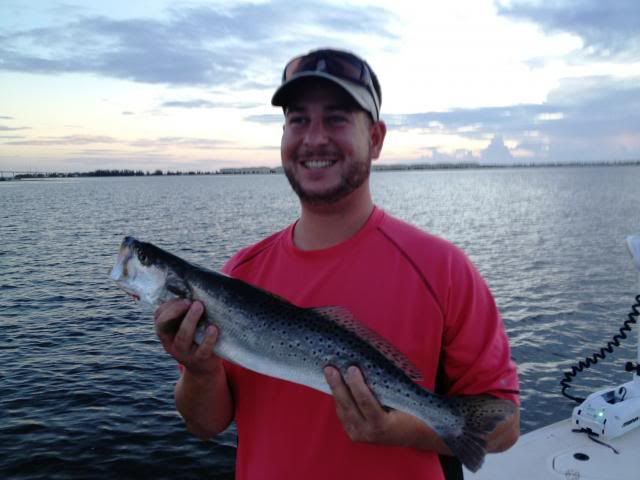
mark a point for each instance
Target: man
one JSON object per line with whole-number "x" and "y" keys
{"x": 416, "y": 290}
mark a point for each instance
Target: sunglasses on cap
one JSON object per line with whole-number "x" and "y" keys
{"x": 343, "y": 65}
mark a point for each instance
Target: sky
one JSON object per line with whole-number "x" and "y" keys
{"x": 187, "y": 85}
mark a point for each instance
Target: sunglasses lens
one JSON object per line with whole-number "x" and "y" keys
{"x": 292, "y": 68}
{"x": 343, "y": 67}
{"x": 350, "y": 70}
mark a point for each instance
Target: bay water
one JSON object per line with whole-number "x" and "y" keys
{"x": 86, "y": 390}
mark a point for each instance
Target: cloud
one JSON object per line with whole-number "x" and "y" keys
{"x": 204, "y": 143}
{"x": 4, "y": 128}
{"x": 189, "y": 104}
{"x": 606, "y": 28}
{"x": 192, "y": 46}
{"x": 269, "y": 118}
{"x": 588, "y": 119}
{"x": 141, "y": 143}
{"x": 473, "y": 123}
{"x": 497, "y": 153}
{"x": 200, "y": 103}
{"x": 69, "y": 140}
{"x": 435, "y": 155}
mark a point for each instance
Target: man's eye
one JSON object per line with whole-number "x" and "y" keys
{"x": 337, "y": 119}
{"x": 296, "y": 120}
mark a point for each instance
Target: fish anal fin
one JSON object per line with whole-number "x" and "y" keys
{"x": 345, "y": 319}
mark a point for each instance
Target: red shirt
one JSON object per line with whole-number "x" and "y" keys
{"x": 416, "y": 290}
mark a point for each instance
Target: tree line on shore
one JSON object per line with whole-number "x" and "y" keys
{"x": 108, "y": 173}
{"x": 260, "y": 170}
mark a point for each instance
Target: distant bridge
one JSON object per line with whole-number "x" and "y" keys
{"x": 13, "y": 173}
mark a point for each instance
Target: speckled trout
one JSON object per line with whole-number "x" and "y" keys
{"x": 265, "y": 333}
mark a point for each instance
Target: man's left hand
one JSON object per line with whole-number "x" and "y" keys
{"x": 365, "y": 420}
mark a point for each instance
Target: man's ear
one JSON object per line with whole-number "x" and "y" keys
{"x": 377, "y": 132}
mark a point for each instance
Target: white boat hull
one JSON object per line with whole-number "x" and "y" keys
{"x": 555, "y": 452}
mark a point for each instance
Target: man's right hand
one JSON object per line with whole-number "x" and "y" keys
{"x": 176, "y": 322}
{"x": 203, "y": 396}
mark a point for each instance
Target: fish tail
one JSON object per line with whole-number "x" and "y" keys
{"x": 480, "y": 415}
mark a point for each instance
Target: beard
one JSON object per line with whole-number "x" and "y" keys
{"x": 356, "y": 173}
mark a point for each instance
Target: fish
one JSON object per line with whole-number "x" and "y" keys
{"x": 267, "y": 334}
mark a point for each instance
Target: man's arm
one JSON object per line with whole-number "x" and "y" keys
{"x": 202, "y": 394}
{"x": 364, "y": 419}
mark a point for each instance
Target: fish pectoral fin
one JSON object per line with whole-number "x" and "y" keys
{"x": 346, "y": 320}
{"x": 176, "y": 285}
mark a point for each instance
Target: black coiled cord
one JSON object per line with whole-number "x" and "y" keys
{"x": 593, "y": 359}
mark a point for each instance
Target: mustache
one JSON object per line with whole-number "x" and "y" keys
{"x": 318, "y": 154}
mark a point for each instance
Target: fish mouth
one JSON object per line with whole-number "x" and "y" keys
{"x": 119, "y": 272}
{"x": 134, "y": 296}
{"x": 123, "y": 285}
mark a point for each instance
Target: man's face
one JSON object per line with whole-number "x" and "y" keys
{"x": 327, "y": 145}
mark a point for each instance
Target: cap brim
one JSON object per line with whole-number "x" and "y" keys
{"x": 359, "y": 93}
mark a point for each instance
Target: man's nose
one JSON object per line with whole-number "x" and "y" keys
{"x": 316, "y": 133}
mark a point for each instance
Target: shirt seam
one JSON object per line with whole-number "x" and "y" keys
{"x": 268, "y": 244}
{"x": 415, "y": 267}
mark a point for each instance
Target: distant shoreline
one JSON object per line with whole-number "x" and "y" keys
{"x": 8, "y": 175}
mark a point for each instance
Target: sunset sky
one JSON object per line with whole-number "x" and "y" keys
{"x": 187, "y": 85}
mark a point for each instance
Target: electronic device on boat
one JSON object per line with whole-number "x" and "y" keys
{"x": 612, "y": 412}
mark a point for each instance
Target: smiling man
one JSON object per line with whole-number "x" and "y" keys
{"x": 416, "y": 290}
{"x": 327, "y": 161}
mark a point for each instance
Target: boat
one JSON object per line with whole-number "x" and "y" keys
{"x": 601, "y": 440}
{"x": 558, "y": 452}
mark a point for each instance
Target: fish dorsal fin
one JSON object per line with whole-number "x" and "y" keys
{"x": 345, "y": 319}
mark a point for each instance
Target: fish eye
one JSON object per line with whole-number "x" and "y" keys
{"x": 143, "y": 258}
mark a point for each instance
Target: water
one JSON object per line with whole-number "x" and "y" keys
{"x": 86, "y": 390}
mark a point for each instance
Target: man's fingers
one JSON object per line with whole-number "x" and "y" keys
{"x": 205, "y": 349}
{"x": 184, "y": 338}
{"x": 346, "y": 407}
{"x": 185, "y": 316}
{"x": 168, "y": 308}
{"x": 332, "y": 375}
{"x": 168, "y": 316}
{"x": 362, "y": 416}
{"x": 363, "y": 396}
{"x": 337, "y": 385}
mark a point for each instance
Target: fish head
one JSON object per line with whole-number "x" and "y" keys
{"x": 140, "y": 272}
